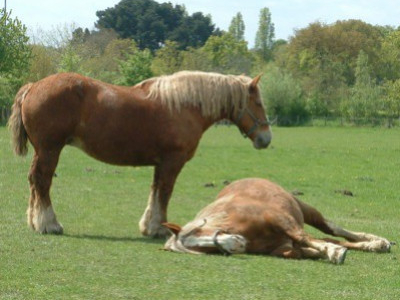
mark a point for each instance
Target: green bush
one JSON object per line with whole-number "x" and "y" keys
{"x": 135, "y": 67}
{"x": 284, "y": 97}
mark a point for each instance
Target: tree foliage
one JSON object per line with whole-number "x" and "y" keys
{"x": 228, "y": 55}
{"x": 390, "y": 56}
{"x": 340, "y": 42}
{"x": 348, "y": 68}
{"x": 196, "y": 59}
{"x": 193, "y": 31}
{"x": 283, "y": 95}
{"x": 237, "y": 27}
{"x": 70, "y": 61}
{"x": 44, "y": 62}
{"x": 391, "y": 99}
{"x": 15, "y": 56}
{"x": 167, "y": 59}
{"x": 150, "y": 24}
{"x": 363, "y": 101}
{"x": 135, "y": 67}
{"x": 324, "y": 57}
{"x": 15, "y": 52}
{"x": 265, "y": 34}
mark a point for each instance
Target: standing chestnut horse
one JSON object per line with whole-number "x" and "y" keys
{"x": 157, "y": 122}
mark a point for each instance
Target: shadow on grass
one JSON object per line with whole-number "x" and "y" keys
{"x": 115, "y": 238}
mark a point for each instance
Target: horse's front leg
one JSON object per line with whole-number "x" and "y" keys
{"x": 165, "y": 175}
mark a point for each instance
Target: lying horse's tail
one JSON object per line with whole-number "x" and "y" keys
{"x": 15, "y": 124}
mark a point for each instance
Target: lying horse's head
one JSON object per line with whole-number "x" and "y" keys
{"x": 196, "y": 238}
{"x": 176, "y": 242}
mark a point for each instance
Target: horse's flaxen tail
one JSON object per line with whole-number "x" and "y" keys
{"x": 15, "y": 124}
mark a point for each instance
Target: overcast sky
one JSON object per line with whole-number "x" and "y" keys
{"x": 286, "y": 14}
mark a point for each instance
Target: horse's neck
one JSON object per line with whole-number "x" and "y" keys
{"x": 209, "y": 121}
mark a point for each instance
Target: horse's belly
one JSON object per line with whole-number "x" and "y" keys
{"x": 117, "y": 154}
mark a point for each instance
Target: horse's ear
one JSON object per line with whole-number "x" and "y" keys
{"x": 254, "y": 82}
{"x": 174, "y": 228}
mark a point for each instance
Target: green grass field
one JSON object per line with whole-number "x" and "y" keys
{"x": 103, "y": 256}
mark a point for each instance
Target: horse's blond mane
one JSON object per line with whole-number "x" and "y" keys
{"x": 212, "y": 92}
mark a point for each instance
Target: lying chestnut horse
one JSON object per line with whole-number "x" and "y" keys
{"x": 158, "y": 122}
{"x": 258, "y": 216}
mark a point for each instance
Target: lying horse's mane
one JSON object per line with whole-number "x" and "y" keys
{"x": 212, "y": 92}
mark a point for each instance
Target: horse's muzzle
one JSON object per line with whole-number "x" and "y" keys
{"x": 262, "y": 140}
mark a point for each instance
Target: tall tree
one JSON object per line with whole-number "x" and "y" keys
{"x": 14, "y": 49}
{"x": 237, "y": 27}
{"x": 228, "y": 55}
{"x": 324, "y": 57}
{"x": 283, "y": 95}
{"x": 390, "y": 56}
{"x": 193, "y": 31}
{"x": 339, "y": 42}
{"x": 150, "y": 24}
{"x": 391, "y": 101}
{"x": 15, "y": 54}
{"x": 364, "y": 97}
{"x": 363, "y": 70}
{"x": 265, "y": 34}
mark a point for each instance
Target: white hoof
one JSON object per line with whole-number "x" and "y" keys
{"x": 232, "y": 243}
{"x": 153, "y": 230}
{"x": 44, "y": 221}
{"x": 336, "y": 254}
{"x": 381, "y": 246}
{"x": 55, "y": 228}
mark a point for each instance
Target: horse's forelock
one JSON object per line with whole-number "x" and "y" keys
{"x": 212, "y": 92}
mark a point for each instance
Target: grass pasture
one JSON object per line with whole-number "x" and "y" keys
{"x": 103, "y": 256}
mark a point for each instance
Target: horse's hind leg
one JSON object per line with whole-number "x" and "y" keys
{"x": 365, "y": 241}
{"x": 318, "y": 248}
{"x": 359, "y": 240}
{"x": 41, "y": 216}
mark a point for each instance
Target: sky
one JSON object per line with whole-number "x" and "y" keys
{"x": 287, "y": 15}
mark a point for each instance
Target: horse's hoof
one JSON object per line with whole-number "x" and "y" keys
{"x": 158, "y": 233}
{"x": 337, "y": 254}
{"x": 341, "y": 256}
{"x": 56, "y": 228}
{"x": 380, "y": 246}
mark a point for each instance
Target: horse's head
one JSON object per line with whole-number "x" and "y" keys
{"x": 252, "y": 120}
{"x": 176, "y": 242}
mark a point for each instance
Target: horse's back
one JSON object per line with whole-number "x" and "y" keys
{"x": 258, "y": 189}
